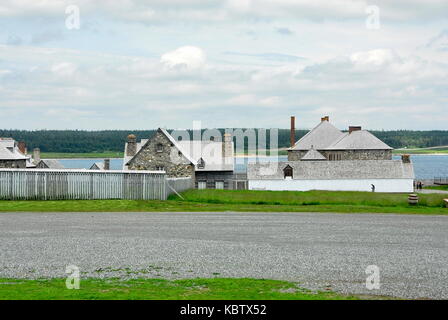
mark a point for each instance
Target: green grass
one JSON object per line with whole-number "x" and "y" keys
{"x": 60, "y": 155}
{"x": 159, "y": 289}
{"x": 444, "y": 188}
{"x": 432, "y": 150}
{"x": 247, "y": 201}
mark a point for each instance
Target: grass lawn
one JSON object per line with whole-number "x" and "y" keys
{"x": 244, "y": 200}
{"x": 443, "y": 188}
{"x": 159, "y": 289}
{"x": 432, "y": 150}
{"x": 94, "y": 155}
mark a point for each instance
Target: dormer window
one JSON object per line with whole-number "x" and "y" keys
{"x": 287, "y": 171}
{"x": 159, "y": 147}
{"x": 201, "y": 164}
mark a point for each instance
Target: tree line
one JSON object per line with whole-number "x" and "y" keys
{"x": 78, "y": 141}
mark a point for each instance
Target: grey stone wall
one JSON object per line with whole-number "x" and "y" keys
{"x": 13, "y": 164}
{"x": 296, "y": 155}
{"x": 346, "y": 155}
{"x": 173, "y": 162}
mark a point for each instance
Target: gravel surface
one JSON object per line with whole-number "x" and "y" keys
{"x": 317, "y": 250}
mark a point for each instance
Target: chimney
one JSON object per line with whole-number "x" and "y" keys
{"x": 106, "y": 164}
{"x": 22, "y": 147}
{"x": 131, "y": 149}
{"x": 406, "y": 158}
{"x": 354, "y": 128}
{"x": 292, "y": 134}
{"x": 326, "y": 118}
{"x": 227, "y": 148}
{"x": 36, "y": 155}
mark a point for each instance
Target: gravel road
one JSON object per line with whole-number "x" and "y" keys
{"x": 317, "y": 250}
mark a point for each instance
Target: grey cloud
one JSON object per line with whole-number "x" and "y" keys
{"x": 46, "y": 36}
{"x": 14, "y": 40}
{"x": 284, "y": 31}
{"x": 279, "y": 57}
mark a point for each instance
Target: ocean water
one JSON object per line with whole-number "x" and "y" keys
{"x": 426, "y": 166}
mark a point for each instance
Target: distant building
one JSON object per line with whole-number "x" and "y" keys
{"x": 49, "y": 164}
{"x": 335, "y": 145}
{"x": 105, "y": 165}
{"x": 329, "y": 159}
{"x": 13, "y": 154}
{"x": 209, "y": 163}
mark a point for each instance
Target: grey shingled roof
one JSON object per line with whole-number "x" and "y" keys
{"x": 313, "y": 155}
{"x": 333, "y": 170}
{"x": 99, "y": 165}
{"x": 358, "y": 140}
{"x": 210, "y": 151}
{"x": 10, "y": 151}
{"x": 52, "y": 164}
{"x": 323, "y": 135}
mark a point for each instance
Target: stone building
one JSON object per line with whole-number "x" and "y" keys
{"x": 329, "y": 159}
{"x": 210, "y": 163}
{"x": 335, "y": 145}
{"x": 13, "y": 154}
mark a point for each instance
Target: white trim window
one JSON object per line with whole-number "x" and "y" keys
{"x": 219, "y": 185}
{"x": 202, "y": 185}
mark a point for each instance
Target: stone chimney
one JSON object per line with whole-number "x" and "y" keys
{"x": 131, "y": 150}
{"x": 106, "y": 164}
{"x": 292, "y": 134}
{"x": 36, "y": 155}
{"x": 22, "y": 147}
{"x": 406, "y": 158}
{"x": 227, "y": 147}
{"x": 354, "y": 128}
{"x": 326, "y": 118}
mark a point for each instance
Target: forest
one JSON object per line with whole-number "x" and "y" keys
{"x": 77, "y": 141}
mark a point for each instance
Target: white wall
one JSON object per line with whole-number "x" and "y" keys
{"x": 381, "y": 185}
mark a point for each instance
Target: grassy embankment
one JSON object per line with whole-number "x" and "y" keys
{"x": 432, "y": 150}
{"x": 245, "y": 200}
{"x": 159, "y": 289}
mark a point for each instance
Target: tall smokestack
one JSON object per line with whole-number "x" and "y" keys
{"x": 36, "y": 156}
{"x": 131, "y": 149}
{"x": 106, "y": 164}
{"x": 22, "y": 147}
{"x": 293, "y": 131}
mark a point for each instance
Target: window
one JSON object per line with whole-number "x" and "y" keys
{"x": 160, "y": 168}
{"x": 179, "y": 154}
{"x": 159, "y": 147}
{"x": 219, "y": 185}
{"x": 202, "y": 185}
{"x": 201, "y": 164}
{"x": 287, "y": 171}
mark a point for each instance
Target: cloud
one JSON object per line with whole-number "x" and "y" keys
{"x": 284, "y": 31}
{"x": 268, "y": 56}
{"x": 187, "y": 57}
{"x": 46, "y": 37}
{"x": 168, "y": 11}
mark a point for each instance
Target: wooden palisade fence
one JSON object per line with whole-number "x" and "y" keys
{"x": 21, "y": 184}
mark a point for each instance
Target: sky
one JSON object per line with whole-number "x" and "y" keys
{"x": 136, "y": 64}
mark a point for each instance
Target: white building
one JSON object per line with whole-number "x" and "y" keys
{"x": 359, "y": 175}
